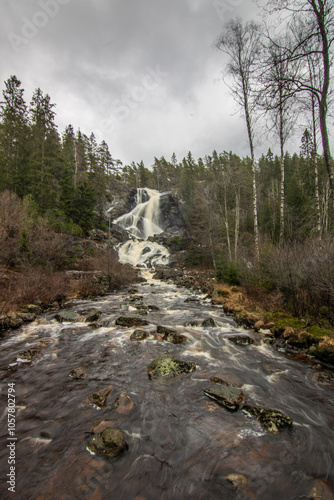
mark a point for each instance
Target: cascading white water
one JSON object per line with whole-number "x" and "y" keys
{"x": 141, "y": 223}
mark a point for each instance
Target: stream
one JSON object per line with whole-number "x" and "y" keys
{"x": 181, "y": 444}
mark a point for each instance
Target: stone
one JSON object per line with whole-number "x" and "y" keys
{"x": 32, "y": 309}
{"x": 27, "y": 317}
{"x": 130, "y": 321}
{"x": 325, "y": 351}
{"x": 324, "y": 378}
{"x": 258, "y": 325}
{"x": 139, "y": 335}
{"x": 242, "y": 339}
{"x": 237, "y": 480}
{"x": 208, "y": 323}
{"x": 227, "y": 379}
{"x": 108, "y": 443}
{"x": 169, "y": 335}
{"x": 99, "y": 398}
{"x": 29, "y": 354}
{"x": 229, "y": 397}
{"x": 93, "y": 316}
{"x": 77, "y": 373}
{"x": 68, "y": 316}
{"x": 168, "y": 366}
{"x": 123, "y": 404}
{"x": 271, "y": 420}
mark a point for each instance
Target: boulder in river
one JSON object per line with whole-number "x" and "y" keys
{"x": 123, "y": 404}
{"x": 109, "y": 443}
{"x": 227, "y": 379}
{"x": 168, "y": 366}
{"x": 99, "y": 398}
{"x": 93, "y": 316}
{"x": 208, "y": 323}
{"x": 229, "y": 397}
{"x": 242, "y": 339}
{"x": 29, "y": 354}
{"x": 271, "y": 420}
{"x": 170, "y": 335}
{"x": 68, "y": 316}
{"x": 77, "y": 373}
{"x": 130, "y": 321}
{"x": 139, "y": 335}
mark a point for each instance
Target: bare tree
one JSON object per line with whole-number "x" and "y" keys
{"x": 241, "y": 43}
{"x": 274, "y": 96}
{"x": 311, "y": 23}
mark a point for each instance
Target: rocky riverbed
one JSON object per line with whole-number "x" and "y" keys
{"x": 154, "y": 392}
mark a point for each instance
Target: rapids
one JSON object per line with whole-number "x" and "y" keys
{"x": 181, "y": 445}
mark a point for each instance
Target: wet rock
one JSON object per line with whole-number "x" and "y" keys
{"x": 258, "y": 325}
{"x": 29, "y": 354}
{"x": 322, "y": 488}
{"x": 27, "y": 317}
{"x": 93, "y": 316}
{"x": 229, "y": 397}
{"x": 242, "y": 339}
{"x": 68, "y": 316}
{"x": 208, "y": 323}
{"x": 192, "y": 299}
{"x": 32, "y": 309}
{"x": 139, "y": 335}
{"x": 123, "y": 404}
{"x": 99, "y": 398}
{"x": 168, "y": 366}
{"x": 296, "y": 338}
{"x": 169, "y": 335}
{"x": 271, "y": 420}
{"x": 227, "y": 379}
{"x": 130, "y": 321}
{"x": 10, "y": 322}
{"x": 237, "y": 480}
{"x": 77, "y": 373}
{"x": 101, "y": 426}
{"x": 324, "y": 378}
{"x": 325, "y": 351}
{"x": 108, "y": 443}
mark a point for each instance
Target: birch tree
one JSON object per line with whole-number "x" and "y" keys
{"x": 241, "y": 43}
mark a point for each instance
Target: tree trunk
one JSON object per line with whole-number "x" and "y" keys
{"x": 237, "y": 224}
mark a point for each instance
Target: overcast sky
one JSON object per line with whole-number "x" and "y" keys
{"x": 141, "y": 74}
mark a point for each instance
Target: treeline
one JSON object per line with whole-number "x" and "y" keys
{"x": 66, "y": 176}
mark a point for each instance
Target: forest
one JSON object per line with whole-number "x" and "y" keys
{"x": 262, "y": 222}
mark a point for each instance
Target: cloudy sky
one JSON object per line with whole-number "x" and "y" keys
{"x": 141, "y": 74}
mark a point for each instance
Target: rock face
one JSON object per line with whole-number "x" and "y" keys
{"x": 271, "y": 420}
{"x": 130, "y": 321}
{"x": 108, "y": 443}
{"x": 168, "y": 366}
{"x": 171, "y": 217}
{"x": 229, "y": 397}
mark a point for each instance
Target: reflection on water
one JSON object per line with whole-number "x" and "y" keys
{"x": 181, "y": 444}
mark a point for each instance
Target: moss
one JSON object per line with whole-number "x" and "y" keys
{"x": 320, "y": 333}
{"x": 284, "y": 320}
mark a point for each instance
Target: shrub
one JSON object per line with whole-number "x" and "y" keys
{"x": 116, "y": 274}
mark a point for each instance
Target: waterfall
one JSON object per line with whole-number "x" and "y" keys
{"x": 142, "y": 223}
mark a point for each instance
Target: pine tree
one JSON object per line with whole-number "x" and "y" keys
{"x": 14, "y": 139}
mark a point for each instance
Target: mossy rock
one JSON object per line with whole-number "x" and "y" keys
{"x": 129, "y": 321}
{"x": 93, "y": 316}
{"x": 168, "y": 366}
{"x": 271, "y": 420}
{"x": 139, "y": 335}
{"x": 99, "y": 398}
{"x": 108, "y": 443}
{"x": 68, "y": 316}
{"x": 29, "y": 354}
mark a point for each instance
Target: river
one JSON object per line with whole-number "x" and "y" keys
{"x": 181, "y": 444}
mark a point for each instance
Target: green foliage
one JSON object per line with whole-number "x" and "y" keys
{"x": 193, "y": 257}
{"x": 227, "y": 272}
{"x": 176, "y": 243}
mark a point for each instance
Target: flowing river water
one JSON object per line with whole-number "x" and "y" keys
{"x": 181, "y": 445}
